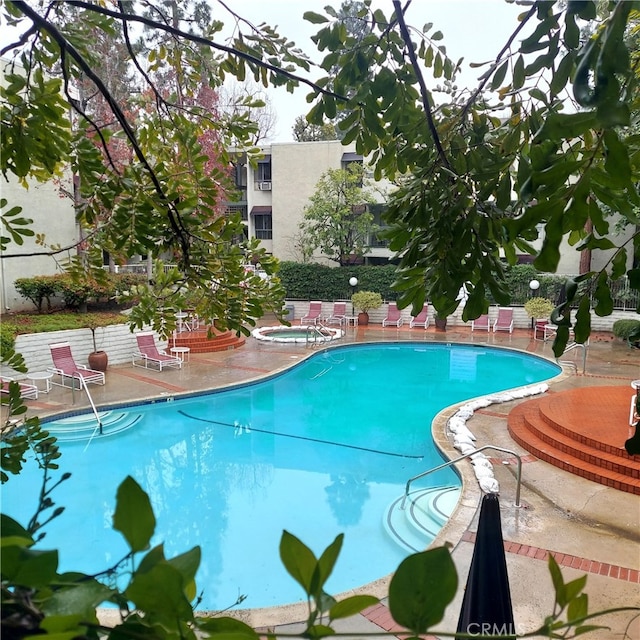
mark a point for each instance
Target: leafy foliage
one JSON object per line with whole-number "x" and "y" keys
{"x": 457, "y": 166}
{"x": 337, "y": 221}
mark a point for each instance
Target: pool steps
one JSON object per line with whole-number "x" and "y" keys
{"x": 84, "y": 426}
{"x": 425, "y": 512}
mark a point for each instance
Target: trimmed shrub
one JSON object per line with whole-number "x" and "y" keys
{"x": 628, "y": 330}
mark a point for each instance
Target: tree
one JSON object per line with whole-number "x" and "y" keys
{"x": 461, "y": 163}
{"x": 251, "y": 103}
{"x": 338, "y": 221}
{"x": 304, "y": 131}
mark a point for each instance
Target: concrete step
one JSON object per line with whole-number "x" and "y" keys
{"x": 85, "y": 426}
{"x": 425, "y": 512}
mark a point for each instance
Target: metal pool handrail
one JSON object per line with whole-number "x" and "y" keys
{"x": 83, "y": 385}
{"x": 462, "y": 457}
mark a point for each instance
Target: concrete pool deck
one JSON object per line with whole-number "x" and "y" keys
{"x": 590, "y": 528}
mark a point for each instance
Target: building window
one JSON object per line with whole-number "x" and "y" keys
{"x": 263, "y": 171}
{"x": 377, "y": 210}
{"x": 263, "y": 226}
{"x": 241, "y": 209}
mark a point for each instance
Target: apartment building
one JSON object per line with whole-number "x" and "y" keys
{"x": 275, "y": 192}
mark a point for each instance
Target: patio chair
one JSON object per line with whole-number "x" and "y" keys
{"x": 504, "y": 321}
{"x": 27, "y": 391}
{"x": 481, "y": 324}
{"x": 338, "y": 315}
{"x": 148, "y": 354}
{"x": 422, "y": 319}
{"x": 314, "y": 313}
{"x": 394, "y": 317}
{"x": 66, "y": 367}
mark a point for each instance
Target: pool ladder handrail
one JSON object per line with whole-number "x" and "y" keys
{"x": 313, "y": 329}
{"x": 570, "y": 347}
{"x": 83, "y": 385}
{"x": 463, "y": 457}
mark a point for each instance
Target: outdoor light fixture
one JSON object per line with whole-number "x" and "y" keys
{"x": 534, "y": 285}
{"x": 353, "y": 281}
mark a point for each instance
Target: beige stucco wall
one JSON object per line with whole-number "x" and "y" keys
{"x": 52, "y": 215}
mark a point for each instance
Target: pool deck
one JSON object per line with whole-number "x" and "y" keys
{"x": 590, "y": 528}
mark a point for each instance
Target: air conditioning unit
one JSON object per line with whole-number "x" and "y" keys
{"x": 264, "y": 186}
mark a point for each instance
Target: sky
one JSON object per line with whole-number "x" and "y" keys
{"x": 473, "y": 29}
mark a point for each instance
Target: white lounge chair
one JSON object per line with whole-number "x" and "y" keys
{"x": 27, "y": 391}
{"x": 504, "y": 321}
{"x": 150, "y": 356}
{"x": 66, "y": 367}
{"x": 481, "y": 323}
{"x": 338, "y": 315}
{"x": 394, "y": 317}
{"x": 314, "y": 313}
{"x": 422, "y": 319}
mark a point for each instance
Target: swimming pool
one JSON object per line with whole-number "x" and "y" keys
{"x": 323, "y": 448}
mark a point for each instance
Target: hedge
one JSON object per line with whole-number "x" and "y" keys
{"x": 75, "y": 294}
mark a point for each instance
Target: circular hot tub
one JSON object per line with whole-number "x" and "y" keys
{"x": 302, "y": 334}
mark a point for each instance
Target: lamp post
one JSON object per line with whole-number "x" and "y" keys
{"x": 353, "y": 282}
{"x": 534, "y": 285}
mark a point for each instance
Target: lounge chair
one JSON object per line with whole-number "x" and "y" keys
{"x": 27, "y": 391}
{"x": 65, "y": 366}
{"x": 314, "y": 314}
{"x": 504, "y": 321}
{"x": 338, "y": 315}
{"x": 148, "y": 354}
{"x": 481, "y": 324}
{"x": 422, "y": 319}
{"x": 394, "y": 317}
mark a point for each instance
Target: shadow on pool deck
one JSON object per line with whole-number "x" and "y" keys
{"x": 589, "y": 528}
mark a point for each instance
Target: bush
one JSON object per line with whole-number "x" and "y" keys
{"x": 628, "y": 330}
{"x": 538, "y": 307}
{"x": 75, "y": 294}
{"x": 38, "y": 289}
{"x": 366, "y": 300}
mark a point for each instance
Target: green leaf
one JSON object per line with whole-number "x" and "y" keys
{"x": 314, "y": 18}
{"x": 602, "y": 294}
{"x": 28, "y": 568}
{"x": 499, "y": 75}
{"x": 549, "y": 255}
{"x": 133, "y": 516}
{"x": 298, "y": 560}
{"x": 77, "y": 599}
{"x": 326, "y": 563}
{"x": 422, "y": 587}
{"x": 582, "y": 327}
{"x": 160, "y": 593}
{"x": 227, "y": 629}
{"x": 351, "y": 606}
{"x": 616, "y": 163}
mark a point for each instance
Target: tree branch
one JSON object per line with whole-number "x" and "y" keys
{"x": 423, "y": 87}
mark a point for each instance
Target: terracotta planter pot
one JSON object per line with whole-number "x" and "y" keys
{"x": 98, "y": 360}
{"x": 363, "y": 318}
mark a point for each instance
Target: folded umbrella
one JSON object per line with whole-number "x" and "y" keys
{"x": 486, "y": 606}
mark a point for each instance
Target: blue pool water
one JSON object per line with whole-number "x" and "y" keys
{"x": 319, "y": 450}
